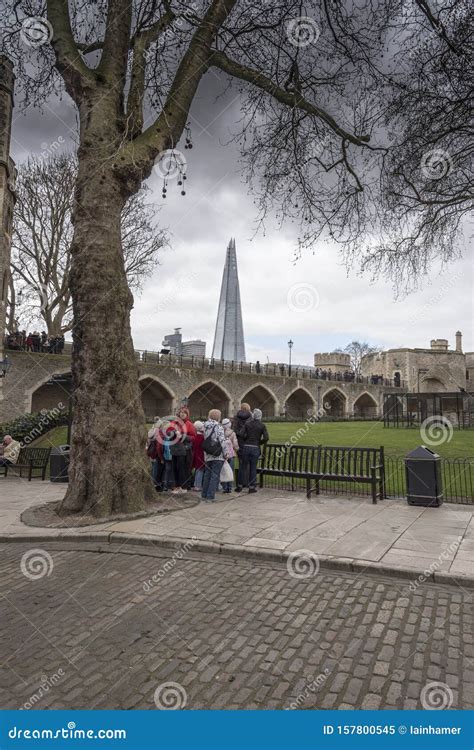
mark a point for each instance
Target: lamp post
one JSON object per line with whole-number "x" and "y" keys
{"x": 290, "y": 347}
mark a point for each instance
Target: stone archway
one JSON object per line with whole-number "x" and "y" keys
{"x": 365, "y": 406}
{"x": 299, "y": 404}
{"x": 50, "y": 394}
{"x": 157, "y": 399}
{"x": 260, "y": 397}
{"x": 432, "y": 385}
{"x": 335, "y": 403}
{"x": 208, "y": 395}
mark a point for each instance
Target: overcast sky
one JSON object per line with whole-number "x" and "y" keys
{"x": 316, "y": 302}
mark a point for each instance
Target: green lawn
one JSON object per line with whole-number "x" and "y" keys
{"x": 397, "y": 442}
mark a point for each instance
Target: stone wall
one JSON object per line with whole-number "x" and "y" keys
{"x": 428, "y": 370}
{"x": 164, "y": 387}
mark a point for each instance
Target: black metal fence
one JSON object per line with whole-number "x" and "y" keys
{"x": 457, "y": 473}
{"x": 275, "y": 369}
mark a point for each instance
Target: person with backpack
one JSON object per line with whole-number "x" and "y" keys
{"x": 154, "y": 450}
{"x": 238, "y": 424}
{"x": 232, "y": 446}
{"x": 215, "y": 453}
{"x": 255, "y": 434}
{"x": 168, "y": 478}
{"x": 182, "y": 449}
{"x": 198, "y": 456}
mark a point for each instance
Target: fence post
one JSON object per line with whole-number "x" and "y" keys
{"x": 382, "y": 461}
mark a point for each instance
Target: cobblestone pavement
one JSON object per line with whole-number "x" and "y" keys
{"x": 86, "y": 630}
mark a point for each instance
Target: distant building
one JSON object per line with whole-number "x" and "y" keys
{"x": 195, "y": 348}
{"x": 434, "y": 370}
{"x": 229, "y": 336}
{"x": 173, "y": 341}
{"x": 334, "y": 361}
{"x": 175, "y": 344}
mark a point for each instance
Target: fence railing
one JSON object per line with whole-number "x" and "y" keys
{"x": 457, "y": 477}
{"x": 256, "y": 368}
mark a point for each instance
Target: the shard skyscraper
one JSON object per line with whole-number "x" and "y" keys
{"x": 229, "y": 338}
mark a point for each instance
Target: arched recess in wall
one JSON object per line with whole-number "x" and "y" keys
{"x": 335, "y": 403}
{"x": 300, "y": 404}
{"x": 209, "y": 395}
{"x": 158, "y": 400}
{"x": 49, "y": 394}
{"x": 261, "y": 397}
{"x": 365, "y": 406}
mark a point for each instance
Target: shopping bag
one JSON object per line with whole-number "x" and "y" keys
{"x": 227, "y": 475}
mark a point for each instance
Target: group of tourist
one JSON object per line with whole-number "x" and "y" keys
{"x": 34, "y": 342}
{"x": 201, "y": 456}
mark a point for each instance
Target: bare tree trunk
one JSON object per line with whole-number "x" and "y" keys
{"x": 109, "y": 471}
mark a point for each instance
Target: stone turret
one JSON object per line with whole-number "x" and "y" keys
{"x": 334, "y": 361}
{"x": 7, "y": 185}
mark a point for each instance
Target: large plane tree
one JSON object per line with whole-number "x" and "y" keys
{"x": 318, "y": 84}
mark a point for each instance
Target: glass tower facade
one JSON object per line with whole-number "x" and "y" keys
{"x": 229, "y": 336}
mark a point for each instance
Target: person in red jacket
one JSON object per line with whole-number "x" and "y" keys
{"x": 182, "y": 449}
{"x": 198, "y": 456}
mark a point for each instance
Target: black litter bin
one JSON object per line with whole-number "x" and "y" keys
{"x": 59, "y": 464}
{"x": 423, "y": 473}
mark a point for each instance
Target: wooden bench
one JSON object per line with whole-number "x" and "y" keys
{"x": 317, "y": 463}
{"x": 31, "y": 459}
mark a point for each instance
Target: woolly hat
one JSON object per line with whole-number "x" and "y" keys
{"x": 199, "y": 426}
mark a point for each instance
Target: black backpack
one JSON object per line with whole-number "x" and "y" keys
{"x": 211, "y": 446}
{"x": 152, "y": 450}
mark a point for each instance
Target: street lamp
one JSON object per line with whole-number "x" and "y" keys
{"x": 290, "y": 347}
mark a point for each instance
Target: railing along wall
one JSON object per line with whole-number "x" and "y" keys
{"x": 256, "y": 368}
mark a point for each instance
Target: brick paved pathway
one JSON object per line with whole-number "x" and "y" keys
{"x": 95, "y": 631}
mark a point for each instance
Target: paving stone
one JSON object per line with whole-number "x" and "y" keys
{"x": 233, "y": 633}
